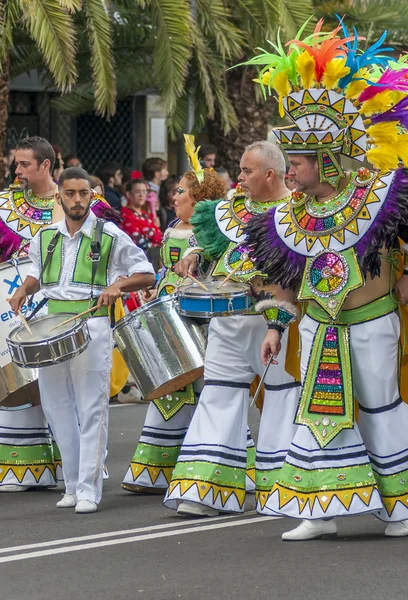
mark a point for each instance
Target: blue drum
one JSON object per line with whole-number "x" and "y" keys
{"x": 231, "y": 299}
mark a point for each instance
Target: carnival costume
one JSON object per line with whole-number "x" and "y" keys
{"x": 28, "y": 457}
{"x": 341, "y": 101}
{"x": 211, "y": 469}
{"x": 78, "y": 389}
{"x": 169, "y": 417}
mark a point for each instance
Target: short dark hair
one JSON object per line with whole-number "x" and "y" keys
{"x": 206, "y": 149}
{"x": 151, "y": 166}
{"x": 107, "y": 170}
{"x": 73, "y": 173}
{"x": 133, "y": 182}
{"x": 70, "y": 157}
{"x": 41, "y": 149}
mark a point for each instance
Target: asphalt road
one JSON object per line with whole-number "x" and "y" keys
{"x": 135, "y": 548}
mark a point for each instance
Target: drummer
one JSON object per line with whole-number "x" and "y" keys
{"x": 210, "y": 473}
{"x": 79, "y": 387}
{"x": 168, "y": 418}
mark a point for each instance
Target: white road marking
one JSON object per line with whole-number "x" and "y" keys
{"x": 128, "y": 540}
{"x": 121, "y": 532}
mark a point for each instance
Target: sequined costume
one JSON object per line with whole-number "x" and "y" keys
{"x": 28, "y": 456}
{"x": 211, "y": 469}
{"x": 327, "y": 252}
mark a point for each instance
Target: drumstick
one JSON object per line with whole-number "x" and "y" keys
{"x": 82, "y": 314}
{"x": 23, "y": 319}
{"x": 258, "y": 389}
{"x": 201, "y": 285}
{"x": 237, "y": 268}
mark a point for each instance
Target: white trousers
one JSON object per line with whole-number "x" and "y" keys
{"x": 214, "y": 452}
{"x": 77, "y": 391}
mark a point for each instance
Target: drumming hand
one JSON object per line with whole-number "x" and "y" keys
{"x": 110, "y": 295}
{"x": 271, "y": 345}
{"x": 149, "y": 295}
{"x": 186, "y": 266}
{"x": 18, "y": 300}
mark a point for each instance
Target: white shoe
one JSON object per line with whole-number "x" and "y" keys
{"x": 133, "y": 396}
{"x": 67, "y": 501}
{"x": 14, "y": 488}
{"x": 398, "y": 529}
{"x": 196, "y": 510}
{"x": 311, "y": 530}
{"x": 86, "y": 506}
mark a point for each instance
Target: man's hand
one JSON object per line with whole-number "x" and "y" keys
{"x": 271, "y": 345}
{"x": 18, "y": 300}
{"x": 149, "y": 295}
{"x": 401, "y": 287}
{"x": 110, "y": 295}
{"x": 186, "y": 266}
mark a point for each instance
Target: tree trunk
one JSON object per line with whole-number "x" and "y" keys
{"x": 253, "y": 115}
{"x": 4, "y": 101}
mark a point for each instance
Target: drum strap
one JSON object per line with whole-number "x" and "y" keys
{"x": 51, "y": 247}
{"x": 96, "y": 250}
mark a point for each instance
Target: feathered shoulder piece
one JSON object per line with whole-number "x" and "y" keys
{"x": 206, "y": 230}
{"x": 103, "y": 210}
{"x": 270, "y": 255}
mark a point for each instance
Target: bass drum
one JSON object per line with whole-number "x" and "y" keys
{"x": 18, "y": 387}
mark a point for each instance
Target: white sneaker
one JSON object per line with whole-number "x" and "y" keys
{"x": 311, "y": 530}
{"x": 14, "y": 488}
{"x": 398, "y": 529}
{"x": 86, "y": 506}
{"x": 67, "y": 501}
{"x": 133, "y": 396}
{"x": 196, "y": 510}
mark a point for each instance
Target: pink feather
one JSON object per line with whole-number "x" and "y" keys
{"x": 392, "y": 81}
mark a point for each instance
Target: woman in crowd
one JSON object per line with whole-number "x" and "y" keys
{"x": 166, "y": 198}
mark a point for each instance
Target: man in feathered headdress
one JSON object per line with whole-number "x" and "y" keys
{"x": 335, "y": 247}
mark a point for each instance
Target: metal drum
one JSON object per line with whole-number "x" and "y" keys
{"x": 232, "y": 299}
{"x": 163, "y": 351}
{"x": 46, "y": 347}
{"x": 18, "y": 387}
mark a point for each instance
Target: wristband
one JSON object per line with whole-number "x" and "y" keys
{"x": 278, "y": 313}
{"x": 277, "y": 328}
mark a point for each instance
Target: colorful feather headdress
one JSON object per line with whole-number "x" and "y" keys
{"x": 340, "y": 99}
{"x": 192, "y": 153}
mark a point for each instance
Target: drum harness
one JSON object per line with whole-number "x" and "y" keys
{"x": 95, "y": 256}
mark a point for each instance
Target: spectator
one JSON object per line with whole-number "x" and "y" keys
{"x": 111, "y": 176}
{"x": 59, "y": 163}
{"x": 290, "y": 184}
{"x": 155, "y": 172}
{"x": 72, "y": 160}
{"x": 225, "y": 176}
{"x": 207, "y": 155}
{"x": 166, "y": 200}
{"x": 138, "y": 223}
{"x": 97, "y": 186}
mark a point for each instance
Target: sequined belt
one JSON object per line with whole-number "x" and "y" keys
{"x": 327, "y": 402}
{"x": 75, "y": 306}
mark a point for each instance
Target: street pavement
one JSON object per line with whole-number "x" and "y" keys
{"x": 135, "y": 548}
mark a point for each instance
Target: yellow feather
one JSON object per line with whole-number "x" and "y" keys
{"x": 379, "y": 104}
{"x": 282, "y": 86}
{"x": 402, "y": 148}
{"x": 383, "y": 157}
{"x": 386, "y": 132}
{"x": 192, "y": 152}
{"x": 305, "y": 66}
{"x": 335, "y": 69}
{"x": 357, "y": 85}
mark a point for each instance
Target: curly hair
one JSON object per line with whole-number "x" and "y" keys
{"x": 212, "y": 187}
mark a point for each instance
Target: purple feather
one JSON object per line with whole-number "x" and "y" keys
{"x": 9, "y": 241}
{"x": 104, "y": 211}
{"x": 398, "y": 112}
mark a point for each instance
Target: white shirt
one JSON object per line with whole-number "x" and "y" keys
{"x": 126, "y": 259}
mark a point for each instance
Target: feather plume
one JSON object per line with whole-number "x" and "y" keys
{"x": 399, "y": 113}
{"x": 305, "y": 65}
{"x": 383, "y": 133}
{"x": 192, "y": 152}
{"x": 334, "y": 70}
{"x": 390, "y": 80}
{"x": 378, "y": 104}
{"x": 383, "y": 157}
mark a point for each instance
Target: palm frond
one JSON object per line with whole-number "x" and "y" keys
{"x": 102, "y": 61}
{"x": 71, "y": 5}
{"x": 172, "y": 50}
{"x": 10, "y": 13}
{"x": 215, "y": 21}
{"x": 52, "y": 29}
{"x": 294, "y": 14}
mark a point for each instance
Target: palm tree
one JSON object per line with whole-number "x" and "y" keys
{"x": 43, "y": 31}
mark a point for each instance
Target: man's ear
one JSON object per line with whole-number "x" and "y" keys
{"x": 58, "y": 197}
{"x": 46, "y": 164}
{"x": 270, "y": 175}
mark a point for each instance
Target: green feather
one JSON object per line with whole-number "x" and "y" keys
{"x": 206, "y": 230}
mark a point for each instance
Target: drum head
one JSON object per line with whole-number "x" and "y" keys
{"x": 230, "y": 288}
{"x": 41, "y": 328}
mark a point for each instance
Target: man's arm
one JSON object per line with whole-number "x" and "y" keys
{"x": 135, "y": 282}
{"x": 29, "y": 286}
{"x": 279, "y": 313}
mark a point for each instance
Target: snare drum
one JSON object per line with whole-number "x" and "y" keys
{"x": 163, "y": 351}
{"x": 232, "y": 299}
{"x": 46, "y": 347}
